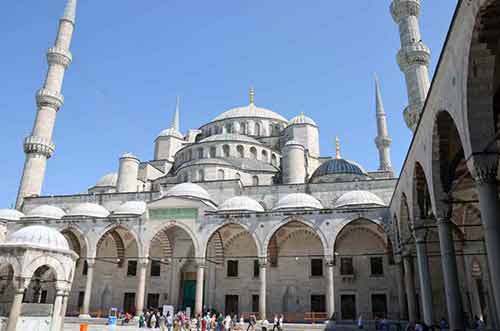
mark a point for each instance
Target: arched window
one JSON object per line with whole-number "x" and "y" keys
{"x": 225, "y": 150}
{"x": 241, "y": 151}
{"x": 257, "y": 129}
{"x": 229, "y": 128}
{"x": 186, "y": 177}
{"x": 255, "y": 180}
{"x": 201, "y": 175}
{"x": 200, "y": 153}
{"x": 213, "y": 151}
{"x": 190, "y": 155}
{"x": 220, "y": 174}
{"x": 253, "y": 153}
{"x": 243, "y": 128}
{"x": 274, "y": 160}
{"x": 271, "y": 130}
{"x": 264, "y": 156}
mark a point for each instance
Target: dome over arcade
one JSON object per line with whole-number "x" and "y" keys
{"x": 296, "y": 201}
{"x": 46, "y": 211}
{"x": 38, "y": 236}
{"x": 358, "y": 198}
{"x": 10, "y": 215}
{"x": 230, "y": 137}
{"x": 241, "y": 203}
{"x": 302, "y": 119}
{"x": 188, "y": 190}
{"x": 107, "y": 180}
{"x": 88, "y": 209}
{"x": 131, "y": 208}
{"x": 250, "y": 111}
{"x": 338, "y": 168}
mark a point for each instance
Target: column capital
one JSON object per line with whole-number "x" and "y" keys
{"x": 330, "y": 260}
{"x": 201, "y": 264}
{"x": 143, "y": 262}
{"x": 419, "y": 233}
{"x": 263, "y": 261}
{"x": 90, "y": 262}
{"x": 484, "y": 167}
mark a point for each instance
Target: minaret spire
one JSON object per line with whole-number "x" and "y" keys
{"x": 383, "y": 140}
{"x": 252, "y": 96}
{"x": 413, "y": 58}
{"x": 337, "y": 148}
{"x": 39, "y": 146}
{"x": 175, "y": 120}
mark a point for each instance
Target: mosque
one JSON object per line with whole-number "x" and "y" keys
{"x": 244, "y": 215}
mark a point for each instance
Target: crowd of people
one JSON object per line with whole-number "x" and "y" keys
{"x": 209, "y": 321}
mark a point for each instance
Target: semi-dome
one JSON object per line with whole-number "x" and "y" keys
{"x": 358, "y": 198}
{"x": 88, "y": 209}
{"x": 339, "y": 166}
{"x": 46, "y": 211}
{"x": 131, "y": 208}
{"x": 188, "y": 190}
{"x": 241, "y": 203}
{"x": 302, "y": 119}
{"x": 250, "y": 111}
{"x": 298, "y": 201}
{"x": 107, "y": 180}
{"x": 10, "y": 215}
{"x": 38, "y": 236}
{"x": 230, "y": 137}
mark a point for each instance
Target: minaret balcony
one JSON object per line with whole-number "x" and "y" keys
{"x": 383, "y": 141}
{"x": 34, "y": 144}
{"x": 416, "y": 54}
{"x": 57, "y": 55}
{"x": 47, "y": 98}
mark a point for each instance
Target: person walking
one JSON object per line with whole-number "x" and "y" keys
{"x": 141, "y": 321}
{"x": 276, "y": 324}
{"x": 153, "y": 321}
{"x": 251, "y": 322}
{"x": 280, "y": 322}
{"x": 360, "y": 321}
{"x": 169, "y": 321}
{"x": 227, "y": 323}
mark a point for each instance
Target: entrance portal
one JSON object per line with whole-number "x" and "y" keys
{"x": 188, "y": 294}
{"x": 232, "y": 305}
{"x": 348, "y": 307}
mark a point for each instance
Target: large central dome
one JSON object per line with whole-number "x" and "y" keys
{"x": 250, "y": 111}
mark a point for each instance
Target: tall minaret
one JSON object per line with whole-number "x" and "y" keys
{"x": 383, "y": 140}
{"x": 413, "y": 58}
{"x": 39, "y": 146}
{"x": 176, "y": 121}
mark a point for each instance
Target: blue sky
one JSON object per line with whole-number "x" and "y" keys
{"x": 132, "y": 58}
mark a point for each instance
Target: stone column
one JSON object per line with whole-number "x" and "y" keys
{"x": 15, "y": 309}
{"x": 263, "y": 289}
{"x": 425, "y": 279}
{"x": 450, "y": 274}
{"x": 401, "y": 292}
{"x": 64, "y": 309}
{"x": 55, "y": 325}
{"x": 410, "y": 287}
{"x": 486, "y": 184}
{"x": 141, "y": 285}
{"x": 330, "y": 288}
{"x": 200, "y": 276}
{"x": 88, "y": 289}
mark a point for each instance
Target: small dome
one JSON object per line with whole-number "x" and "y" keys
{"x": 241, "y": 203}
{"x": 10, "y": 215}
{"x": 302, "y": 119}
{"x": 107, "y": 180}
{"x": 46, "y": 211}
{"x": 339, "y": 166}
{"x": 131, "y": 208}
{"x": 38, "y": 236}
{"x": 358, "y": 198}
{"x": 128, "y": 155}
{"x": 229, "y": 137}
{"x": 89, "y": 210}
{"x": 188, "y": 190}
{"x": 298, "y": 201}
{"x": 250, "y": 111}
{"x": 170, "y": 132}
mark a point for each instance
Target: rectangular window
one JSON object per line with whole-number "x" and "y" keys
{"x": 153, "y": 300}
{"x": 43, "y": 296}
{"x": 129, "y": 302}
{"x": 131, "y": 268}
{"x": 232, "y": 268}
{"x": 346, "y": 267}
{"x": 81, "y": 296}
{"x": 256, "y": 269}
{"x": 318, "y": 303}
{"x": 377, "y": 266}
{"x": 317, "y": 267}
{"x": 379, "y": 305}
{"x": 85, "y": 269}
{"x": 155, "y": 268}
{"x": 255, "y": 303}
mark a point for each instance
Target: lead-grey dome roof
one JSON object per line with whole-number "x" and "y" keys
{"x": 241, "y": 203}
{"x": 38, "y": 236}
{"x": 10, "y": 215}
{"x": 131, "y": 208}
{"x": 338, "y": 166}
{"x": 250, "y": 111}
{"x": 46, "y": 211}
{"x": 302, "y": 119}
{"x": 88, "y": 209}
{"x": 189, "y": 190}
{"x": 298, "y": 201}
{"x": 358, "y": 198}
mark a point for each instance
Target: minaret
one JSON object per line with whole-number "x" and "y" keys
{"x": 413, "y": 58}
{"x": 39, "y": 146}
{"x": 175, "y": 121}
{"x": 337, "y": 148}
{"x": 383, "y": 140}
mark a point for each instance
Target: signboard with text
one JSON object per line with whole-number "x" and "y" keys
{"x": 173, "y": 213}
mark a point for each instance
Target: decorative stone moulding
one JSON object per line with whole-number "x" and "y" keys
{"x": 414, "y": 54}
{"x": 404, "y": 8}
{"x": 56, "y": 55}
{"x": 383, "y": 141}
{"x": 47, "y": 98}
{"x": 33, "y": 144}
{"x": 411, "y": 117}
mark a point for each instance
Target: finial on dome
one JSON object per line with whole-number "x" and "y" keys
{"x": 252, "y": 95}
{"x": 337, "y": 147}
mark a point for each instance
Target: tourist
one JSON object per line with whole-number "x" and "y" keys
{"x": 265, "y": 325}
{"x": 280, "y": 322}
{"x": 276, "y": 323}
{"x": 443, "y": 324}
{"x": 478, "y": 323}
{"x": 360, "y": 322}
{"x": 204, "y": 324}
{"x": 251, "y": 322}
{"x": 162, "y": 322}
{"x": 227, "y": 323}
{"x": 169, "y": 322}
{"x": 141, "y": 321}
{"x": 220, "y": 322}
{"x": 152, "y": 321}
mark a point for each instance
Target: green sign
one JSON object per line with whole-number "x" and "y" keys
{"x": 173, "y": 213}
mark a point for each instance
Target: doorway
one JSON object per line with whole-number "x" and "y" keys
{"x": 129, "y": 302}
{"x": 232, "y": 304}
{"x": 348, "y": 307}
{"x": 379, "y": 305}
{"x": 188, "y": 294}
{"x": 318, "y": 303}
